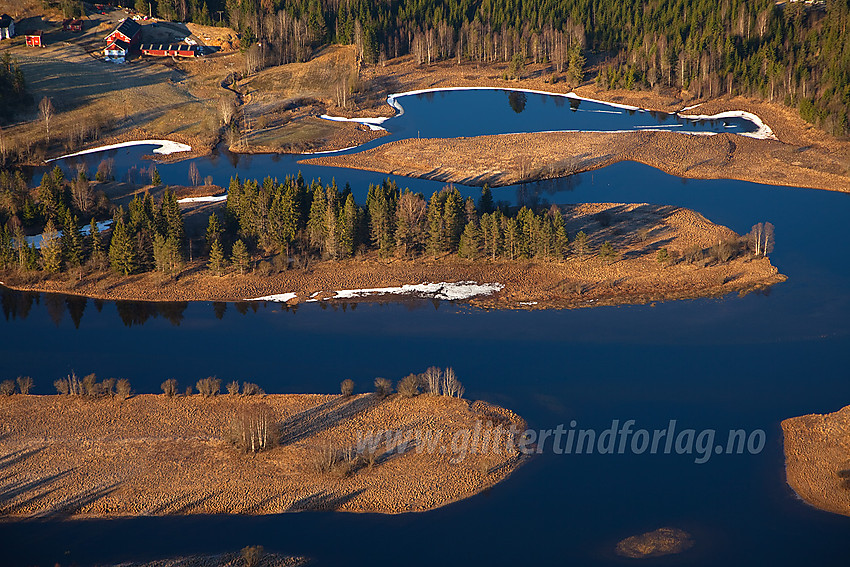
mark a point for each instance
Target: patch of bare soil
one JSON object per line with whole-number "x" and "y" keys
{"x": 637, "y": 232}
{"x": 516, "y": 158}
{"x": 817, "y": 459}
{"x": 71, "y": 456}
{"x": 663, "y": 541}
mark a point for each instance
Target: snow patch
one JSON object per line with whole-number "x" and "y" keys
{"x": 763, "y": 131}
{"x": 372, "y": 123}
{"x": 278, "y": 297}
{"x": 449, "y": 291}
{"x": 165, "y": 147}
{"x": 85, "y": 231}
{"x": 205, "y": 199}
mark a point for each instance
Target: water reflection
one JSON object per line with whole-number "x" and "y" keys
{"x": 517, "y": 100}
{"x": 19, "y": 305}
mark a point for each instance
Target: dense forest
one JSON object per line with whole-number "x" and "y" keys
{"x": 797, "y": 53}
{"x": 13, "y": 92}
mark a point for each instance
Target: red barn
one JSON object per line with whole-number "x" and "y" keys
{"x": 130, "y": 32}
{"x": 170, "y": 50}
{"x": 74, "y": 25}
{"x": 34, "y": 39}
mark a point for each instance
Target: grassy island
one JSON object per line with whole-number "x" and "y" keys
{"x": 99, "y": 455}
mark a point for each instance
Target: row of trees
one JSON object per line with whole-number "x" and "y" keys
{"x": 322, "y": 221}
{"x": 13, "y": 91}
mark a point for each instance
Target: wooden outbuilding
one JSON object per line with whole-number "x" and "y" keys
{"x": 34, "y": 39}
{"x": 73, "y": 25}
{"x": 7, "y": 27}
{"x": 171, "y": 50}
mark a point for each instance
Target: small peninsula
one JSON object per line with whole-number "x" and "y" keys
{"x": 73, "y": 456}
{"x": 817, "y": 459}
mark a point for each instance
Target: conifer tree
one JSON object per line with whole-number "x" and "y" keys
{"x": 453, "y": 218}
{"x": 239, "y": 257}
{"x": 316, "y": 220}
{"x": 485, "y": 203}
{"x": 214, "y": 230}
{"x": 562, "y": 243}
{"x": 51, "y": 248}
{"x": 580, "y": 243}
{"x": 72, "y": 240}
{"x": 217, "y": 261}
{"x": 436, "y": 233}
{"x": 470, "y": 242}
{"x": 607, "y": 252}
{"x": 122, "y": 254}
{"x": 98, "y": 255}
{"x": 348, "y": 228}
{"x": 156, "y": 179}
{"x": 6, "y": 249}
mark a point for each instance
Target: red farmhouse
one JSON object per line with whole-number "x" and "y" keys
{"x": 74, "y": 25}
{"x": 170, "y": 50}
{"x": 34, "y": 39}
{"x": 130, "y": 32}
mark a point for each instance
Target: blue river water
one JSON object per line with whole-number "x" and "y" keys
{"x": 728, "y": 363}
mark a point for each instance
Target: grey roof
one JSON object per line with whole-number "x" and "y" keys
{"x": 128, "y": 27}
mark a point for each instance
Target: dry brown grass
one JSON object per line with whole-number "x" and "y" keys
{"x": 817, "y": 459}
{"x": 156, "y": 455}
{"x": 514, "y": 158}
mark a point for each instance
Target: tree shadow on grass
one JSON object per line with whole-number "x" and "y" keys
{"x": 323, "y": 500}
{"x": 323, "y": 417}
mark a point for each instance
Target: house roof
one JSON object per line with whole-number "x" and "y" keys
{"x": 168, "y": 47}
{"x": 120, "y": 44}
{"x": 128, "y": 27}
{"x": 5, "y": 20}
{"x": 72, "y": 21}
{"x": 35, "y": 33}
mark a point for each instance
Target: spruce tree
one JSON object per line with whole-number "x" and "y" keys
{"x": 470, "y": 242}
{"x": 72, "y": 240}
{"x": 562, "y": 243}
{"x": 98, "y": 255}
{"x": 6, "y": 249}
{"x": 316, "y": 220}
{"x": 453, "y": 218}
{"x": 214, "y": 231}
{"x": 217, "y": 261}
{"x": 348, "y": 228}
{"x": 485, "y": 203}
{"x": 156, "y": 179}
{"x": 436, "y": 239}
{"x": 239, "y": 257}
{"x": 122, "y": 254}
{"x": 580, "y": 243}
{"x": 51, "y": 248}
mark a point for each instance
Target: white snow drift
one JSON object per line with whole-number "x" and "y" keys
{"x": 165, "y": 147}
{"x": 449, "y": 291}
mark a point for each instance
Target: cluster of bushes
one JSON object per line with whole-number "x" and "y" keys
{"x": 22, "y": 385}
{"x": 88, "y": 386}
{"x": 211, "y": 386}
{"x": 434, "y": 381}
{"x": 758, "y": 242}
{"x": 340, "y": 462}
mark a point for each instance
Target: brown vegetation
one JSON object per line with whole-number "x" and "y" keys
{"x": 515, "y": 158}
{"x": 663, "y": 541}
{"x": 817, "y": 459}
{"x": 154, "y": 455}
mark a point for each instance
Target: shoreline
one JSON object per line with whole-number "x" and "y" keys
{"x": 638, "y": 231}
{"x": 95, "y": 458}
{"x": 507, "y": 159}
{"x": 817, "y": 460}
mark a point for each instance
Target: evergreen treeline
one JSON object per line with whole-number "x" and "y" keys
{"x": 13, "y": 90}
{"x": 797, "y": 53}
{"x": 315, "y": 221}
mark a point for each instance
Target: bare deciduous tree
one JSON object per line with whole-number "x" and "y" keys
{"x": 194, "y": 174}
{"x": 252, "y": 428}
{"x": 45, "y": 108}
{"x": 226, "y": 109}
{"x": 451, "y": 386}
